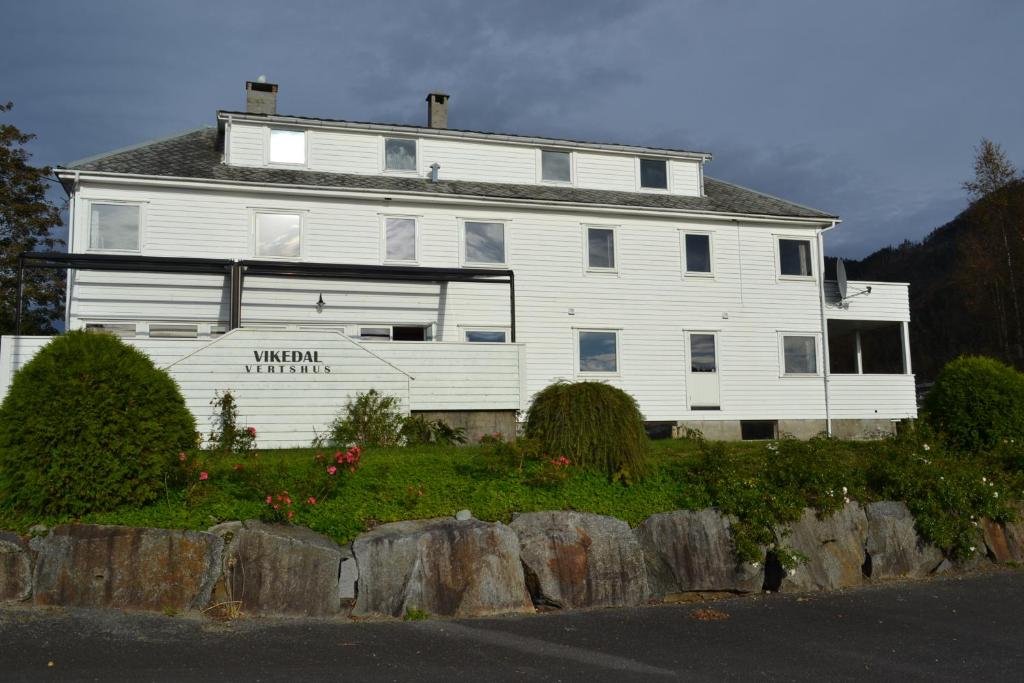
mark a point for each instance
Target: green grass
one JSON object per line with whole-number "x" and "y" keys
{"x": 761, "y": 483}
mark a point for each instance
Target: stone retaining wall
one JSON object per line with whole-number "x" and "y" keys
{"x": 466, "y": 567}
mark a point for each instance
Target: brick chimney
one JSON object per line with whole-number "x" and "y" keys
{"x": 437, "y": 110}
{"x": 260, "y": 97}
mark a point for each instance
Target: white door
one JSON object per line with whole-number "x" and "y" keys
{"x": 702, "y": 378}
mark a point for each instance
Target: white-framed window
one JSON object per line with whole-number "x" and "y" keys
{"x": 395, "y": 332}
{"x": 652, "y": 173}
{"x": 487, "y": 335}
{"x": 597, "y": 352}
{"x": 400, "y": 239}
{"x": 795, "y": 257}
{"x": 115, "y": 226}
{"x": 484, "y": 243}
{"x": 287, "y": 146}
{"x": 600, "y": 247}
{"x": 556, "y": 166}
{"x": 400, "y": 155}
{"x": 703, "y": 354}
{"x": 277, "y": 234}
{"x": 798, "y": 353}
{"x": 698, "y": 254}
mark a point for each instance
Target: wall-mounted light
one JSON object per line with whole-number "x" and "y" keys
{"x": 320, "y": 304}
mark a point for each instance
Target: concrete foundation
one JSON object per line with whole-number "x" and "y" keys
{"x": 476, "y": 422}
{"x": 730, "y": 430}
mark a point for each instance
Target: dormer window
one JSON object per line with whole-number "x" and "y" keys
{"x": 555, "y": 167}
{"x": 287, "y": 147}
{"x": 399, "y": 154}
{"x": 654, "y": 174}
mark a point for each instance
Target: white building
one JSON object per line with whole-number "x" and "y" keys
{"x": 465, "y": 271}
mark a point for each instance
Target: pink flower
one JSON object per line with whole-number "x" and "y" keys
{"x": 252, "y": 431}
{"x": 287, "y": 500}
{"x": 332, "y": 469}
{"x": 270, "y": 499}
{"x": 203, "y": 476}
{"x": 277, "y": 507}
{"x": 564, "y": 460}
{"x": 290, "y": 514}
{"x": 238, "y": 466}
{"x": 311, "y": 500}
{"x": 182, "y": 457}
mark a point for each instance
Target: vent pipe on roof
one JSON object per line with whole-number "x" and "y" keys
{"x": 261, "y": 97}
{"x": 437, "y": 110}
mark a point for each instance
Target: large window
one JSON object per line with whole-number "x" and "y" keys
{"x": 654, "y": 174}
{"x": 485, "y": 243}
{"x": 795, "y": 257}
{"x": 601, "y": 248}
{"x": 114, "y": 227}
{"x": 399, "y": 239}
{"x": 399, "y": 154}
{"x": 698, "y": 254}
{"x": 799, "y": 354}
{"x": 598, "y": 351}
{"x": 287, "y": 147}
{"x": 555, "y": 166}
{"x": 278, "y": 235}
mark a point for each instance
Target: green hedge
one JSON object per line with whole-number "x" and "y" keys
{"x": 89, "y": 424}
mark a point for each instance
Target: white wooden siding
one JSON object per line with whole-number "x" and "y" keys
{"x": 290, "y": 408}
{"x": 872, "y": 396}
{"x": 887, "y": 301}
{"x": 347, "y": 151}
{"x": 648, "y": 298}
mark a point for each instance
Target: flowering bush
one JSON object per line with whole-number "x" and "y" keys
{"x": 227, "y": 436}
{"x": 553, "y": 471}
{"x": 370, "y": 419}
{"x": 321, "y": 479}
{"x": 89, "y": 424}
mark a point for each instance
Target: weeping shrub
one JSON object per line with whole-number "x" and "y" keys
{"x": 976, "y": 403}
{"x": 592, "y": 423}
{"x": 89, "y": 424}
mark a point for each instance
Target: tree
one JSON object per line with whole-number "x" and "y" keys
{"x": 991, "y": 203}
{"x": 27, "y": 221}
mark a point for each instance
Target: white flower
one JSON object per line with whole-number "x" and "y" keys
{"x": 983, "y": 480}
{"x": 845, "y": 491}
{"x": 926, "y": 447}
{"x": 792, "y": 572}
{"x": 995, "y": 494}
{"x": 973, "y": 548}
{"x": 755, "y": 565}
{"x": 846, "y": 499}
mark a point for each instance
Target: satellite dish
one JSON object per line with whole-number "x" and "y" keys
{"x": 841, "y": 278}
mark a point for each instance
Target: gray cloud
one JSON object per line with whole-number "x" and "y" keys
{"x": 867, "y": 109}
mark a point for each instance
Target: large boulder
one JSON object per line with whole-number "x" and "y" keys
{"x": 87, "y": 565}
{"x": 15, "y": 568}
{"x": 575, "y": 559}
{"x": 274, "y": 569}
{"x": 440, "y": 566}
{"x": 832, "y": 549}
{"x": 894, "y": 550}
{"x": 694, "y": 550}
{"x": 1015, "y": 535}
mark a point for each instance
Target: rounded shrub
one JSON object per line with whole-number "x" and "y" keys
{"x": 89, "y": 424}
{"x": 976, "y": 403}
{"x": 592, "y": 423}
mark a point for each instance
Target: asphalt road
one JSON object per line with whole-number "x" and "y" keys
{"x": 943, "y": 629}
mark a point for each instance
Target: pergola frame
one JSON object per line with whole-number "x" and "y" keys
{"x": 237, "y": 270}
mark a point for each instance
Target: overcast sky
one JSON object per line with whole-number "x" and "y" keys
{"x": 869, "y": 109}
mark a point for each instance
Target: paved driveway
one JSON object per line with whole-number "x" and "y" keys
{"x": 944, "y": 629}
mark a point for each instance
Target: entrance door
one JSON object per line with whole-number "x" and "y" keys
{"x": 702, "y": 379}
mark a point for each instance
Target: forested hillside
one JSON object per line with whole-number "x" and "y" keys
{"x": 966, "y": 282}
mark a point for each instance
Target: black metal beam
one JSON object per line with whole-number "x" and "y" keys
{"x": 512, "y": 306}
{"x": 235, "y": 299}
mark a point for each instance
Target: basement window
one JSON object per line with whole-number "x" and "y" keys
{"x": 486, "y": 336}
{"x": 174, "y": 331}
{"x": 399, "y": 154}
{"x": 123, "y": 330}
{"x": 759, "y": 430}
{"x": 654, "y": 174}
{"x": 287, "y": 147}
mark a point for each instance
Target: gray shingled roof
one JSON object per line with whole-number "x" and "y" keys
{"x": 195, "y": 155}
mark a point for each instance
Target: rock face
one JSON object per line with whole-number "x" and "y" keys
{"x": 275, "y": 569}
{"x": 574, "y": 559}
{"x": 440, "y": 566}
{"x": 1015, "y": 536}
{"x": 996, "y": 540}
{"x": 693, "y": 550}
{"x": 833, "y": 548}
{"x": 86, "y": 565}
{"x": 15, "y": 569}
{"x": 893, "y": 546}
